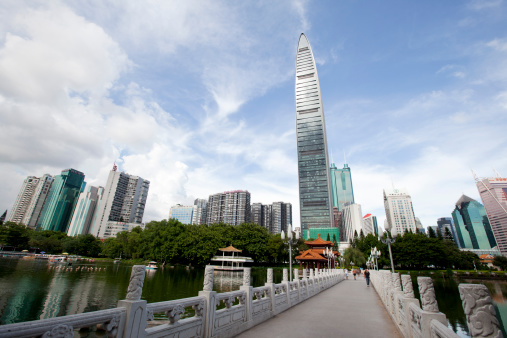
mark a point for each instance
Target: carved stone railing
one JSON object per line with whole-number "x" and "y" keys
{"x": 397, "y": 294}
{"x": 210, "y": 314}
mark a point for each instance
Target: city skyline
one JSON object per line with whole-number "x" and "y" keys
{"x": 198, "y": 97}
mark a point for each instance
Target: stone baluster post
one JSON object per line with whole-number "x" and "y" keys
{"x": 298, "y": 283}
{"x": 429, "y": 305}
{"x": 408, "y": 288}
{"x": 286, "y": 283}
{"x": 398, "y": 296}
{"x": 249, "y": 292}
{"x": 312, "y": 279}
{"x": 137, "y": 315}
{"x": 479, "y": 310}
{"x": 404, "y": 303}
{"x": 210, "y": 296}
{"x": 271, "y": 286}
{"x": 285, "y": 275}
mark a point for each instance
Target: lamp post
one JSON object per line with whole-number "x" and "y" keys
{"x": 289, "y": 241}
{"x": 329, "y": 255}
{"x": 387, "y": 240}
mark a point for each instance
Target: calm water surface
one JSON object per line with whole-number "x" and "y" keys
{"x": 34, "y": 289}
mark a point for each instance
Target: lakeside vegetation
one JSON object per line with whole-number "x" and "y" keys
{"x": 172, "y": 242}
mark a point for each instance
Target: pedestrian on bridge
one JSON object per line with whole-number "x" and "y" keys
{"x": 367, "y": 277}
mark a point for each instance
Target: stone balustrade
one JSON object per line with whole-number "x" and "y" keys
{"x": 414, "y": 321}
{"x": 210, "y": 314}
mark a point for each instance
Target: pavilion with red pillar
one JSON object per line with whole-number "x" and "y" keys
{"x": 315, "y": 256}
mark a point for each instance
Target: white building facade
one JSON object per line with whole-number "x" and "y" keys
{"x": 85, "y": 211}
{"x": 399, "y": 211}
{"x": 352, "y": 220}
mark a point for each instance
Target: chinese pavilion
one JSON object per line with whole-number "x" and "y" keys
{"x": 315, "y": 257}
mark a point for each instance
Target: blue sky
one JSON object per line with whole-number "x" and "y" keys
{"x": 198, "y": 96}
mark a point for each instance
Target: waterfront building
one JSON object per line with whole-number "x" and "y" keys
{"x": 472, "y": 225}
{"x": 370, "y": 224}
{"x": 352, "y": 220}
{"x": 61, "y": 201}
{"x": 199, "y": 216}
{"x": 315, "y": 257}
{"x": 85, "y": 211}
{"x": 123, "y": 201}
{"x": 183, "y": 213}
{"x": 341, "y": 186}
{"x": 38, "y": 200}
{"x": 20, "y": 207}
{"x": 112, "y": 228}
{"x": 315, "y": 199}
{"x": 399, "y": 212}
{"x": 229, "y": 207}
{"x": 493, "y": 193}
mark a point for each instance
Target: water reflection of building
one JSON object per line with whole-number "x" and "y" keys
{"x": 225, "y": 281}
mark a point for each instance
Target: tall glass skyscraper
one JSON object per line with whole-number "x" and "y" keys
{"x": 493, "y": 193}
{"x": 61, "y": 201}
{"x": 341, "y": 186}
{"x": 315, "y": 200}
{"x": 472, "y": 225}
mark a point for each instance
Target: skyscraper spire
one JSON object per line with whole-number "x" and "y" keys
{"x": 316, "y": 209}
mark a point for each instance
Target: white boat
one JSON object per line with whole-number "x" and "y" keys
{"x": 152, "y": 265}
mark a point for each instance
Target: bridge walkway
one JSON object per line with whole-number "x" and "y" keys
{"x": 348, "y": 309}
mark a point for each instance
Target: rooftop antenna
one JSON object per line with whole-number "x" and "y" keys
{"x": 476, "y": 178}
{"x": 496, "y": 173}
{"x": 344, "y": 157}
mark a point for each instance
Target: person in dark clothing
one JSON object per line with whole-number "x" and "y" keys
{"x": 367, "y": 277}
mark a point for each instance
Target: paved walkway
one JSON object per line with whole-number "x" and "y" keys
{"x": 348, "y": 309}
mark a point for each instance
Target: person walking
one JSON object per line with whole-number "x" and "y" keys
{"x": 367, "y": 277}
{"x": 354, "y": 272}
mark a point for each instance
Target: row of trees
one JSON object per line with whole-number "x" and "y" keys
{"x": 418, "y": 251}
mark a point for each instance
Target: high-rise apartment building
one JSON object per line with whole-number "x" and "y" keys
{"x": 123, "y": 201}
{"x": 493, "y": 193}
{"x": 274, "y": 217}
{"x": 370, "y": 224}
{"x": 315, "y": 199}
{"x": 38, "y": 200}
{"x": 257, "y": 214}
{"x": 183, "y": 213}
{"x": 199, "y": 216}
{"x": 341, "y": 186}
{"x": 230, "y": 207}
{"x": 352, "y": 220}
{"x": 472, "y": 225}
{"x": 85, "y": 211}
{"x": 25, "y": 195}
{"x": 399, "y": 211}
{"x": 266, "y": 216}
{"x": 61, "y": 201}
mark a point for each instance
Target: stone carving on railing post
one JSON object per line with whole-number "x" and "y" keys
{"x": 246, "y": 276}
{"x": 304, "y": 273}
{"x": 427, "y": 291}
{"x": 396, "y": 281}
{"x": 270, "y": 275}
{"x": 208, "y": 278}
{"x": 479, "y": 310}
{"x": 296, "y": 275}
{"x": 285, "y": 275}
{"x": 408, "y": 288}
{"x": 135, "y": 288}
{"x": 311, "y": 273}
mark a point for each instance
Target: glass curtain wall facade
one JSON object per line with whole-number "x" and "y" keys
{"x": 341, "y": 186}
{"x": 493, "y": 193}
{"x": 315, "y": 200}
{"x": 183, "y": 213}
{"x": 472, "y": 225}
{"x": 61, "y": 201}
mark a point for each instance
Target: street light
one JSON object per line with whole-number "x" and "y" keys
{"x": 288, "y": 240}
{"x": 386, "y": 240}
{"x": 329, "y": 254}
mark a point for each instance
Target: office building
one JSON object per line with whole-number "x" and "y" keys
{"x": 472, "y": 225}
{"x": 183, "y": 213}
{"x": 85, "y": 211}
{"x": 229, "y": 207}
{"x": 399, "y": 212}
{"x": 493, "y": 193}
{"x": 38, "y": 200}
{"x": 61, "y": 201}
{"x": 444, "y": 223}
{"x": 370, "y": 224}
{"x": 315, "y": 199}
{"x": 281, "y": 217}
{"x": 352, "y": 220}
{"x": 123, "y": 201}
{"x": 341, "y": 186}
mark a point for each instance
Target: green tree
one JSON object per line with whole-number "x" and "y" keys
{"x": 16, "y": 235}
{"x": 431, "y": 233}
{"x": 354, "y": 255}
{"x": 501, "y": 262}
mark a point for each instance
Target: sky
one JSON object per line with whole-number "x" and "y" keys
{"x": 198, "y": 96}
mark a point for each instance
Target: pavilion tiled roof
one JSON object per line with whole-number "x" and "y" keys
{"x": 310, "y": 255}
{"x": 318, "y": 242}
{"x": 230, "y": 248}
